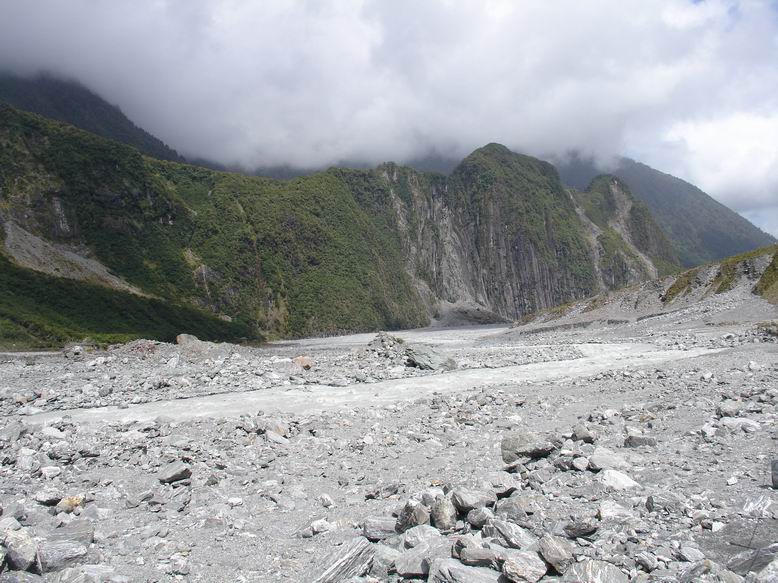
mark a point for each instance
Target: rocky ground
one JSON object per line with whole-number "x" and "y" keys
{"x": 603, "y": 450}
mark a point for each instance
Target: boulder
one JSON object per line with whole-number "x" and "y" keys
{"x": 509, "y": 534}
{"x": 56, "y": 555}
{"x": 452, "y": 571}
{"x": 379, "y": 528}
{"x": 425, "y": 358}
{"x": 616, "y": 480}
{"x": 591, "y": 571}
{"x": 605, "y": 459}
{"x": 21, "y": 550}
{"x": 444, "y": 513}
{"x": 557, "y": 552}
{"x": 524, "y": 566}
{"x": 466, "y": 499}
{"x": 174, "y": 472}
{"x": 520, "y": 445}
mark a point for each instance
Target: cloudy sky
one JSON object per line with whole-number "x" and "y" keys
{"x": 688, "y": 87}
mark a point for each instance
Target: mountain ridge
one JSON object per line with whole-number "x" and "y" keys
{"x": 337, "y": 251}
{"x": 701, "y": 228}
{"x": 73, "y": 103}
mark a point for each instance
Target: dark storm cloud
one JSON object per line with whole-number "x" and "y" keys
{"x": 687, "y": 87}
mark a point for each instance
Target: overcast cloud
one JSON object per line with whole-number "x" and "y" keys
{"x": 688, "y": 87}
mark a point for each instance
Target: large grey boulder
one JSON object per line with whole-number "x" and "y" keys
{"x": 452, "y": 571}
{"x": 425, "y": 358}
{"x": 352, "y": 559}
{"x": 174, "y": 472}
{"x": 379, "y": 528}
{"x": 524, "y": 566}
{"x": 509, "y": 534}
{"x": 520, "y": 445}
{"x": 57, "y": 555}
{"x": 21, "y": 550}
{"x": 591, "y": 571}
{"x": 557, "y": 552}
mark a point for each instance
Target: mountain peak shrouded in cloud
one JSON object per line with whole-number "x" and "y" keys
{"x": 685, "y": 86}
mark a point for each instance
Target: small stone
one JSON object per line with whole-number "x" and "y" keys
{"x": 320, "y": 526}
{"x": 416, "y": 562}
{"x": 647, "y": 560}
{"x": 426, "y": 358}
{"x": 524, "y": 444}
{"x": 50, "y": 472}
{"x": 524, "y": 566}
{"x": 475, "y": 556}
{"x": 174, "y": 472}
{"x": 21, "y": 550}
{"x": 729, "y": 408}
{"x": 417, "y": 535}
{"x": 605, "y": 459}
{"x": 639, "y": 441}
{"x": 12, "y": 432}
{"x": 591, "y": 571}
{"x": 48, "y": 497}
{"x": 477, "y": 517}
{"x": 466, "y": 500}
{"x": 662, "y": 501}
{"x": 609, "y": 510}
{"x": 616, "y": 480}
{"x": 690, "y": 554}
{"x": 581, "y": 432}
{"x": 581, "y": 464}
{"x": 444, "y": 514}
{"x": 383, "y": 561}
{"x": 511, "y": 535}
{"x": 57, "y": 555}
{"x": 557, "y": 552}
{"x": 379, "y": 528}
{"x": 580, "y": 527}
{"x": 452, "y": 571}
{"x": 413, "y": 514}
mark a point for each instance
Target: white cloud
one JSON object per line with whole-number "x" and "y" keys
{"x": 312, "y": 82}
{"x": 735, "y": 156}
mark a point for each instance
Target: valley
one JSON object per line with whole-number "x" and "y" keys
{"x": 625, "y": 438}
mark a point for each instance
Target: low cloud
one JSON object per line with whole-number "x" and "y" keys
{"x": 688, "y": 87}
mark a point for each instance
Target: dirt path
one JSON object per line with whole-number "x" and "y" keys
{"x": 314, "y": 398}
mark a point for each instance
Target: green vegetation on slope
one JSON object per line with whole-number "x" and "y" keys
{"x": 700, "y": 229}
{"x": 767, "y": 286}
{"x": 602, "y": 202}
{"x": 295, "y": 257}
{"x": 681, "y": 285}
{"x": 39, "y": 311}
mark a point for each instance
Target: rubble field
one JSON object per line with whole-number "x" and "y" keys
{"x": 610, "y": 451}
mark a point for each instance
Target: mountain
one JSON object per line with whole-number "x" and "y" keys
{"x": 700, "y": 228}
{"x": 73, "y": 103}
{"x": 336, "y": 251}
{"x": 627, "y": 241}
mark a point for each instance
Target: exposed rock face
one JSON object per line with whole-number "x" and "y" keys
{"x": 500, "y": 233}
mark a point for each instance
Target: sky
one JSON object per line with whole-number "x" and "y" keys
{"x": 689, "y": 87}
